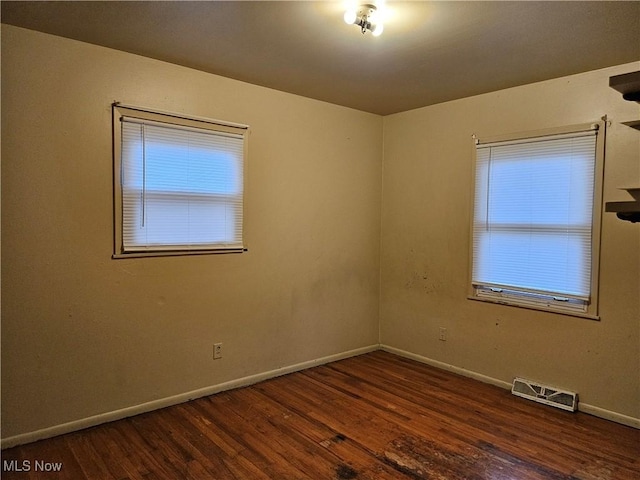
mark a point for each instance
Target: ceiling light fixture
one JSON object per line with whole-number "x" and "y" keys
{"x": 365, "y": 17}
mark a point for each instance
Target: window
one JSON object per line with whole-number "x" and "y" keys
{"x": 178, "y": 184}
{"x": 536, "y": 220}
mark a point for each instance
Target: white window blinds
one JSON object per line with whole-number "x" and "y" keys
{"x": 532, "y": 222}
{"x": 181, "y": 187}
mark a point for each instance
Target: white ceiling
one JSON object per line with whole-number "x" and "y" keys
{"x": 430, "y": 52}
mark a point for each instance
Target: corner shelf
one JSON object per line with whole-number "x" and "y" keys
{"x": 633, "y": 124}
{"x": 629, "y": 211}
{"x": 628, "y": 85}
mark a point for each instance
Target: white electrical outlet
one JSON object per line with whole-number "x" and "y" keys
{"x": 443, "y": 334}
{"x": 217, "y": 351}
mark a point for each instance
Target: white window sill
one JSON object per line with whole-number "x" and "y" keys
{"x": 542, "y": 308}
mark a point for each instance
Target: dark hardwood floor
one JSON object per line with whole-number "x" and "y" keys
{"x": 376, "y": 416}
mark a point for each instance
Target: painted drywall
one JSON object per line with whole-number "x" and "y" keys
{"x": 427, "y": 188}
{"x": 83, "y": 334}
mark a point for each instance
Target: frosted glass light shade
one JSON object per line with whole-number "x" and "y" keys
{"x": 350, "y": 16}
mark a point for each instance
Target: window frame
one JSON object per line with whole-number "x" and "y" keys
{"x": 180, "y": 121}
{"x": 553, "y": 304}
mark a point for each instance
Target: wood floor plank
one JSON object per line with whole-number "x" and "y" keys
{"x": 264, "y": 452}
{"x": 134, "y": 439}
{"x": 493, "y": 429}
{"x": 371, "y": 395}
{"x": 345, "y": 455}
{"x": 377, "y": 416}
{"x": 280, "y": 427}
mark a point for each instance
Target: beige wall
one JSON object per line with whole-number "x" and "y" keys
{"x": 83, "y": 334}
{"x": 427, "y": 185}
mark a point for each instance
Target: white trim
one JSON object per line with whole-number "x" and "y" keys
{"x": 445, "y": 366}
{"x": 94, "y": 420}
{"x": 589, "y": 309}
{"x": 546, "y": 132}
{"x": 593, "y": 130}
{"x": 609, "y": 415}
{"x": 180, "y": 115}
{"x": 582, "y": 407}
{"x": 126, "y": 242}
{"x": 176, "y": 126}
{"x": 540, "y": 308}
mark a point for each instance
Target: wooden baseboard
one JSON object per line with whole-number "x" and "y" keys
{"x": 94, "y": 420}
{"x": 583, "y": 407}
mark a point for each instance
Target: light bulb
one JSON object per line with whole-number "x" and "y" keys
{"x": 377, "y": 30}
{"x": 350, "y": 16}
